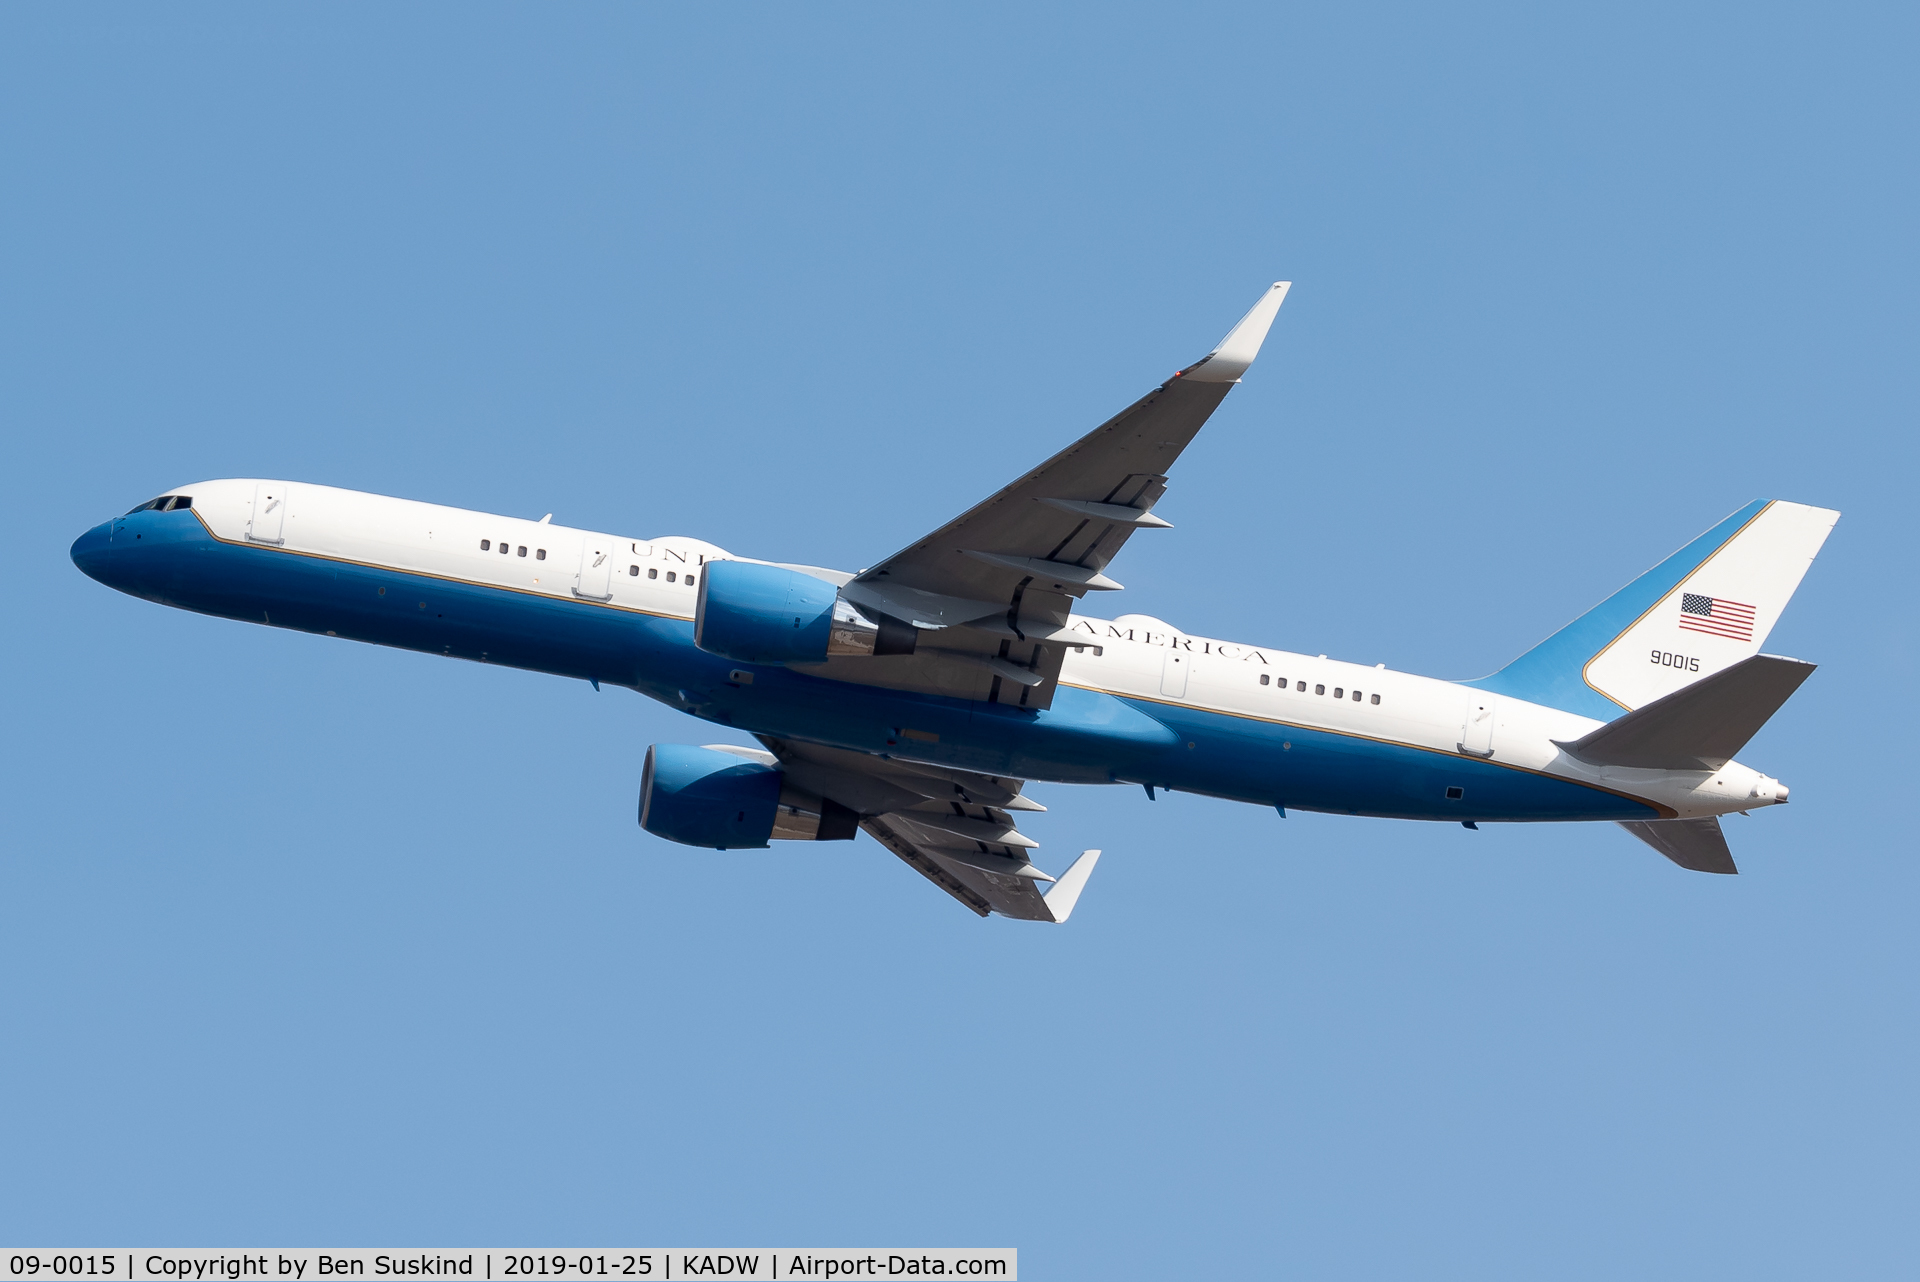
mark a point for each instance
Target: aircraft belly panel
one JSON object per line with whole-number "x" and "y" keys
{"x": 1269, "y": 763}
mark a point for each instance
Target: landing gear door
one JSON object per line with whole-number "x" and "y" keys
{"x": 595, "y": 581}
{"x": 1173, "y": 674}
{"x": 1476, "y": 733}
{"x": 269, "y": 521}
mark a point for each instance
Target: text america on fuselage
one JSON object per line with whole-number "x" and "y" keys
{"x": 914, "y": 699}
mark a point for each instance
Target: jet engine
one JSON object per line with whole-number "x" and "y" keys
{"x": 727, "y": 798}
{"x": 769, "y": 614}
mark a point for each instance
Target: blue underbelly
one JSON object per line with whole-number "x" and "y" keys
{"x": 1086, "y": 737}
{"x": 1301, "y": 768}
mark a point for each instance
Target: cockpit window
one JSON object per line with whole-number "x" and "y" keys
{"x": 165, "y": 503}
{"x": 182, "y": 503}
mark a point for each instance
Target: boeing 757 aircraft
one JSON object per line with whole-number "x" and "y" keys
{"x": 914, "y": 699}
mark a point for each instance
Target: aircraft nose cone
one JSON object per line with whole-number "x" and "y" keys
{"x": 92, "y": 551}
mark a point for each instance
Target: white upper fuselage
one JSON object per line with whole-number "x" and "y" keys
{"x": 1133, "y": 656}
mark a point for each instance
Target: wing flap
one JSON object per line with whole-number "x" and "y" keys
{"x": 950, "y": 826}
{"x": 877, "y": 785}
{"x": 934, "y": 870}
{"x": 985, "y": 890}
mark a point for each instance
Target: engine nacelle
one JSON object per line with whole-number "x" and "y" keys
{"x": 763, "y": 613}
{"x": 699, "y": 797}
{"x": 732, "y": 800}
{"x": 769, "y": 614}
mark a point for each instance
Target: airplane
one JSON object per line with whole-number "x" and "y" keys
{"x": 915, "y": 699}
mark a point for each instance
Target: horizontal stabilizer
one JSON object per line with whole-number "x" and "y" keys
{"x": 1701, "y": 726}
{"x": 1695, "y": 844}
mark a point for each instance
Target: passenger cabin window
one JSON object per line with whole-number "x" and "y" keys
{"x": 1356, "y": 696}
{"x": 1264, "y": 678}
{"x": 634, "y": 570}
{"x": 486, "y": 545}
{"x": 522, "y": 551}
{"x": 539, "y": 554}
{"x": 1338, "y": 693}
{"x": 1376, "y": 700}
{"x": 692, "y": 579}
{"x": 1301, "y": 687}
{"x": 504, "y": 549}
{"x": 653, "y": 574}
{"x": 1319, "y": 689}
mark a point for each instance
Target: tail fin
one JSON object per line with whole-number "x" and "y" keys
{"x": 1703, "y": 609}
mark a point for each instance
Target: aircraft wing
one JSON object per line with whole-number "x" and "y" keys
{"x": 953, "y": 827}
{"x": 992, "y": 588}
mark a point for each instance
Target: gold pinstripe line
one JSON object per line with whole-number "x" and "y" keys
{"x": 1665, "y": 811}
{"x": 428, "y": 574}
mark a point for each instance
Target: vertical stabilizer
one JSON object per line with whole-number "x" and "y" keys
{"x": 1700, "y": 611}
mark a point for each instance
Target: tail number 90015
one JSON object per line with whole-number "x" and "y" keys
{"x": 1662, "y": 659}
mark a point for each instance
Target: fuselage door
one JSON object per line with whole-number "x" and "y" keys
{"x": 1173, "y": 674}
{"x": 269, "y": 521}
{"x": 595, "y": 582}
{"x": 1476, "y": 734}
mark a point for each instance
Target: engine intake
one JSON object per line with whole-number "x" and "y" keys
{"x": 699, "y": 797}
{"x": 728, "y": 801}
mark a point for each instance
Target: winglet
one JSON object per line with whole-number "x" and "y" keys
{"x": 1065, "y": 893}
{"x": 1234, "y": 356}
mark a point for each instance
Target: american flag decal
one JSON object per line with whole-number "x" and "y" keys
{"x": 1715, "y": 617}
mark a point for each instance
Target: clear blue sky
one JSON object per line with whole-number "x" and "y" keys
{"x": 306, "y": 942}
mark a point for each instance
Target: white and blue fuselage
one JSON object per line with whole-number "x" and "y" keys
{"x": 1138, "y": 701}
{"x": 914, "y": 699}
